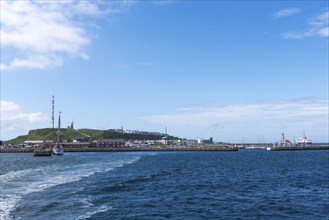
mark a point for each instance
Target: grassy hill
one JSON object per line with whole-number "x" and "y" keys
{"x": 83, "y": 135}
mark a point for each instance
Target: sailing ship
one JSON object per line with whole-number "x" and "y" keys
{"x": 58, "y": 149}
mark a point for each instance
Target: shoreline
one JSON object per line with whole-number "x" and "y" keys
{"x": 126, "y": 149}
{"x": 163, "y": 149}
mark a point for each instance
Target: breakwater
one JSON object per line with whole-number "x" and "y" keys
{"x": 16, "y": 150}
{"x": 126, "y": 149}
{"x": 42, "y": 153}
{"x": 150, "y": 149}
{"x": 312, "y": 147}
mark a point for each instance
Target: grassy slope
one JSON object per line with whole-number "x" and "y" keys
{"x": 71, "y": 134}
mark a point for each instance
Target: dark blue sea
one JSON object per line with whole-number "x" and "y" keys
{"x": 248, "y": 184}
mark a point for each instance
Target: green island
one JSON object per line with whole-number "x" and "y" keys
{"x": 87, "y": 135}
{"x": 111, "y": 140}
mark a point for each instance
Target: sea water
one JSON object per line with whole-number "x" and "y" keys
{"x": 247, "y": 184}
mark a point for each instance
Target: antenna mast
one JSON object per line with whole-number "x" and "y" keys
{"x": 52, "y": 111}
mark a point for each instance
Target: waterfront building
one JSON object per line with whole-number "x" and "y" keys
{"x": 31, "y": 143}
{"x": 205, "y": 141}
{"x": 76, "y": 144}
{"x": 186, "y": 142}
{"x": 109, "y": 143}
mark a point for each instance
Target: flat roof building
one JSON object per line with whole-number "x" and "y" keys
{"x": 110, "y": 143}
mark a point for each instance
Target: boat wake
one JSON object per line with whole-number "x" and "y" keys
{"x": 14, "y": 185}
{"x": 101, "y": 209}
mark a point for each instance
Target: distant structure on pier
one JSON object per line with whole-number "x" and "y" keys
{"x": 205, "y": 141}
{"x": 285, "y": 142}
{"x": 52, "y": 111}
{"x": 71, "y": 125}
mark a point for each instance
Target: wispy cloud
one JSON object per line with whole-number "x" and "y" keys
{"x": 286, "y": 12}
{"x": 13, "y": 119}
{"x": 42, "y": 34}
{"x": 317, "y": 27}
{"x": 279, "y": 110}
{"x": 311, "y": 113}
{"x": 291, "y": 35}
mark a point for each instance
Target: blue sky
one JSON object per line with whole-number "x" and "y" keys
{"x": 238, "y": 71}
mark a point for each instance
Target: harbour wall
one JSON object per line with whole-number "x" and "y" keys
{"x": 150, "y": 149}
{"x": 312, "y": 147}
{"x": 126, "y": 149}
{"x": 136, "y": 149}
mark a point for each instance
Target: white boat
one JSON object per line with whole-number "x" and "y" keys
{"x": 58, "y": 149}
{"x": 303, "y": 140}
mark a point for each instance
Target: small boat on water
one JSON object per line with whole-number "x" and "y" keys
{"x": 58, "y": 149}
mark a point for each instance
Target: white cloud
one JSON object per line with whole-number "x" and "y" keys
{"x": 43, "y": 34}
{"x": 282, "y": 110}
{"x": 7, "y": 106}
{"x": 317, "y": 27}
{"x": 324, "y": 32}
{"x": 291, "y": 35}
{"x": 36, "y": 62}
{"x": 286, "y": 12}
{"x": 88, "y": 8}
{"x": 13, "y": 119}
{"x": 268, "y": 118}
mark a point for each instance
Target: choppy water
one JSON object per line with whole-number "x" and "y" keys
{"x": 247, "y": 184}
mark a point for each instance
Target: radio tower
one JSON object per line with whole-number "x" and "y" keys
{"x": 52, "y": 111}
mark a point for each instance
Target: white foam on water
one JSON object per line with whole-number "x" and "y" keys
{"x": 133, "y": 160}
{"x": 11, "y": 176}
{"x": 102, "y": 208}
{"x": 7, "y": 204}
{"x": 86, "y": 203}
{"x": 121, "y": 163}
{"x": 16, "y": 184}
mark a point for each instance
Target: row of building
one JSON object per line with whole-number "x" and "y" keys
{"x": 116, "y": 143}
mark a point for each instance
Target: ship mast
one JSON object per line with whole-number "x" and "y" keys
{"x": 52, "y": 111}
{"x": 59, "y": 129}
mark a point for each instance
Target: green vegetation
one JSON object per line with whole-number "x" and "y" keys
{"x": 91, "y": 133}
{"x": 108, "y": 134}
{"x": 18, "y": 140}
{"x": 84, "y": 135}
